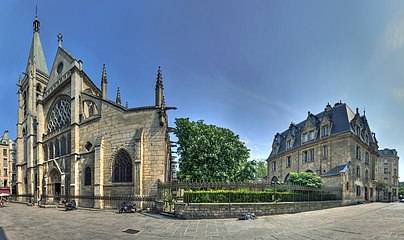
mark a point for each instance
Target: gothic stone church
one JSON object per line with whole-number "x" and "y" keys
{"x": 73, "y": 140}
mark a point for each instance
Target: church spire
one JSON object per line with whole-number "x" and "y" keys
{"x": 118, "y": 97}
{"x": 159, "y": 88}
{"x": 104, "y": 82}
{"x": 36, "y": 54}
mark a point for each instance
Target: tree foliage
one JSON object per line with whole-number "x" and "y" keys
{"x": 308, "y": 179}
{"x": 210, "y": 153}
{"x": 260, "y": 168}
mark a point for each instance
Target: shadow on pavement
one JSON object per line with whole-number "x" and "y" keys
{"x": 3, "y": 234}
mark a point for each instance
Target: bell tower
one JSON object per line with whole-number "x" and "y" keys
{"x": 30, "y": 119}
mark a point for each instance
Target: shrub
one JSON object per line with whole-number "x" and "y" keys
{"x": 246, "y": 196}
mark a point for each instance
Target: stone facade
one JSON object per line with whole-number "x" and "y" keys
{"x": 8, "y": 169}
{"x": 231, "y": 210}
{"x": 387, "y": 172}
{"x": 73, "y": 140}
{"x": 336, "y": 144}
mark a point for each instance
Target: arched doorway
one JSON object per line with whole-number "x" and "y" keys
{"x": 55, "y": 184}
{"x": 274, "y": 180}
{"x": 286, "y": 178}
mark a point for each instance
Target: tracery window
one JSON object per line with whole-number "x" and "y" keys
{"x": 87, "y": 176}
{"x": 59, "y": 117}
{"x": 122, "y": 167}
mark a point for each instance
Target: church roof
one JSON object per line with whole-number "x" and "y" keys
{"x": 36, "y": 52}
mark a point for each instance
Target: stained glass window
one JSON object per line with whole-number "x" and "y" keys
{"x": 122, "y": 167}
{"x": 59, "y": 117}
{"x": 87, "y": 176}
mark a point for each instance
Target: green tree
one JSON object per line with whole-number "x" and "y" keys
{"x": 308, "y": 179}
{"x": 260, "y": 168}
{"x": 210, "y": 153}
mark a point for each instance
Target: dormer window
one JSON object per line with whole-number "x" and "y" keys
{"x": 305, "y": 137}
{"x": 311, "y": 135}
{"x": 288, "y": 144}
{"x": 324, "y": 131}
{"x": 358, "y": 131}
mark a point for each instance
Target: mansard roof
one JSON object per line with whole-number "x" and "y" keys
{"x": 341, "y": 117}
{"x": 387, "y": 152}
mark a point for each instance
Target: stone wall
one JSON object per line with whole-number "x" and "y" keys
{"x": 225, "y": 210}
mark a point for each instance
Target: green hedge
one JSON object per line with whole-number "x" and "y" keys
{"x": 245, "y": 196}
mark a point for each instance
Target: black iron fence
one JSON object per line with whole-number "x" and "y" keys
{"x": 113, "y": 201}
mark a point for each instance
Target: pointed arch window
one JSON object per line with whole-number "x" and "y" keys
{"x": 57, "y": 149}
{"x": 122, "y": 167}
{"x": 45, "y": 152}
{"x": 63, "y": 146}
{"x": 59, "y": 117}
{"x": 51, "y": 151}
{"x": 87, "y": 176}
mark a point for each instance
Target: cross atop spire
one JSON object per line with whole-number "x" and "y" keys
{"x": 60, "y": 39}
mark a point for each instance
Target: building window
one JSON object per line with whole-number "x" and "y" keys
{"x": 386, "y": 162}
{"x": 305, "y": 137}
{"x": 358, "y": 152}
{"x": 325, "y": 152}
{"x": 122, "y": 167}
{"x": 87, "y": 176}
{"x": 59, "y": 117}
{"x": 386, "y": 170}
{"x": 324, "y": 131}
{"x": 51, "y": 151}
{"x": 358, "y": 171}
{"x": 45, "y": 152}
{"x": 311, "y": 133}
{"x": 288, "y": 161}
{"x": 5, "y": 164}
{"x": 57, "y": 149}
{"x": 288, "y": 144}
{"x": 63, "y": 146}
{"x": 308, "y": 156}
{"x": 274, "y": 166}
{"x": 347, "y": 186}
{"x": 358, "y": 131}
{"x": 5, "y": 172}
{"x": 395, "y": 172}
{"x": 367, "y": 175}
{"x": 4, "y": 152}
{"x": 274, "y": 180}
{"x": 88, "y": 146}
{"x": 358, "y": 190}
{"x": 367, "y": 158}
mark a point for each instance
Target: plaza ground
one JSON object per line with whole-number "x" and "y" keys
{"x": 365, "y": 221}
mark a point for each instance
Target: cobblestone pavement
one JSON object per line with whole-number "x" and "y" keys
{"x": 365, "y": 221}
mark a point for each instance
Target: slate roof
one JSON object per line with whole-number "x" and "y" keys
{"x": 387, "y": 152}
{"x": 337, "y": 170}
{"x": 341, "y": 117}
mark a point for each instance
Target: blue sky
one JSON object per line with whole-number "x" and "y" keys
{"x": 250, "y": 66}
